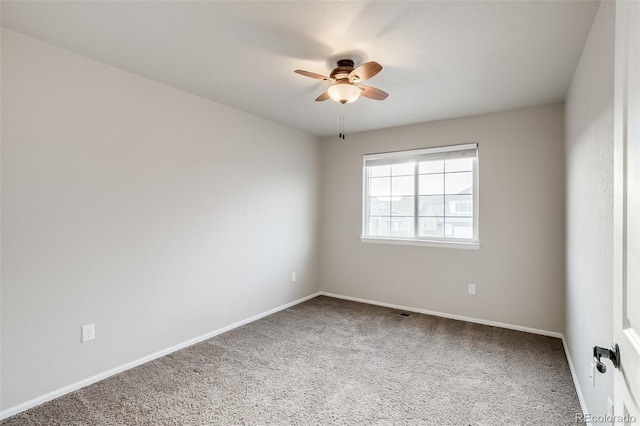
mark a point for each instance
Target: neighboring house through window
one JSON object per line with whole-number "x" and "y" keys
{"x": 424, "y": 196}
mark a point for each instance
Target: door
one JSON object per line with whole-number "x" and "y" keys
{"x": 627, "y": 212}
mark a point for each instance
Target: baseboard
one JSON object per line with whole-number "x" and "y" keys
{"x": 12, "y": 411}
{"x": 445, "y": 315}
{"x": 574, "y": 376}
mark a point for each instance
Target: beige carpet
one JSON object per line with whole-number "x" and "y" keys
{"x": 333, "y": 362}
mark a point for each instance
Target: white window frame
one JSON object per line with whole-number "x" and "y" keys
{"x": 417, "y": 155}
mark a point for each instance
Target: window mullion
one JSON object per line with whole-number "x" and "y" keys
{"x": 366, "y": 201}
{"x": 391, "y": 201}
{"x": 444, "y": 201}
{"x": 416, "y": 191}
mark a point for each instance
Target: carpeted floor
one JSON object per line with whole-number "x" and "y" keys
{"x": 332, "y": 362}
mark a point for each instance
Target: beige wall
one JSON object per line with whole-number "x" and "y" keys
{"x": 157, "y": 215}
{"x": 589, "y": 155}
{"x": 519, "y": 268}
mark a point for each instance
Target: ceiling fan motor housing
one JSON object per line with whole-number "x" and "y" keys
{"x": 345, "y": 66}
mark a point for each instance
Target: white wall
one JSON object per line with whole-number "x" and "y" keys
{"x": 519, "y": 268}
{"x": 157, "y": 215}
{"x": 589, "y": 156}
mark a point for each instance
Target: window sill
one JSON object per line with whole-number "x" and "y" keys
{"x": 440, "y": 244}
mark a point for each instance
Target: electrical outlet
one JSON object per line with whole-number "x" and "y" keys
{"x": 472, "y": 289}
{"x": 88, "y": 332}
{"x": 293, "y": 277}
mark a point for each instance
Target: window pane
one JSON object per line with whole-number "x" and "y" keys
{"x": 379, "y": 226}
{"x": 431, "y": 227}
{"x": 459, "y": 165}
{"x": 402, "y": 206}
{"x": 459, "y": 205}
{"x": 403, "y": 169}
{"x": 379, "y": 206}
{"x": 458, "y": 227}
{"x": 380, "y": 187}
{"x": 431, "y": 166}
{"x": 459, "y": 183}
{"x": 377, "y": 171}
{"x": 432, "y": 205}
{"x": 402, "y": 227}
{"x": 402, "y": 185}
{"x": 431, "y": 184}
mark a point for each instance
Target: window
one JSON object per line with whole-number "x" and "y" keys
{"x": 425, "y": 196}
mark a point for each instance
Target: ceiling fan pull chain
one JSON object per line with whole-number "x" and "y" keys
{"x": 341, "y": 135}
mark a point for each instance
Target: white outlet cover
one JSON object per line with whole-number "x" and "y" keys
{"x": 472, "y": 289}
{"x": 88, "y": 332}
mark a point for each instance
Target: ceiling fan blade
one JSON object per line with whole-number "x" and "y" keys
{"x": 364, "y": 71}
{"x": 313, "y": 75}
{"x": 373, "y": 93}
{"x": 323, "y": 97}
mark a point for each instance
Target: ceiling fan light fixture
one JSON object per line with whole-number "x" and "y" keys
{"x": 344, "y": 78}
{"x": 344, "y": 92}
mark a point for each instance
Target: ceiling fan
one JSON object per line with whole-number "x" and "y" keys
{"x": 346, "y": 78}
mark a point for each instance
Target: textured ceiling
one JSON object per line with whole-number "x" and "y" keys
{"x": 441, "y": 59}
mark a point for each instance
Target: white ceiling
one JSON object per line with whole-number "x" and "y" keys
{"x": 441, "y": 59}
